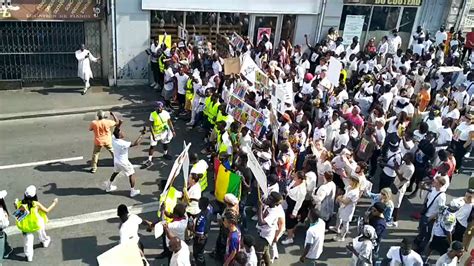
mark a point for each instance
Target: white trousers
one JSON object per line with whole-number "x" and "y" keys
{"x": 29, "y": 239}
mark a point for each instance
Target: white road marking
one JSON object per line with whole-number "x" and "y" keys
{"x": 10, "y": 166}
{"x": 89, "y": 217}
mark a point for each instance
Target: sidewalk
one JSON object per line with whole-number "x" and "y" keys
{"x": 62, "y": 100}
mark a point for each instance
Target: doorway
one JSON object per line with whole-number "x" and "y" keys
{"x": 270, "y": 25}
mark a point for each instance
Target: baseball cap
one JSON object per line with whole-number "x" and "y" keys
{"x": 30, "y": 191}
{"x": 457, "y": 246}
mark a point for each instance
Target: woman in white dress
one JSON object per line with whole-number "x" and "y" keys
{"x": 347, "y": 206}
{"x": 323, "y": 197}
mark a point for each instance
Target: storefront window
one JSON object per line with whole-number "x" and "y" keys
{"x": 408, "y": 19}
{"x": 166, "y": 21}
{"x": 234, "y": 22}
{"x": 201, "y": 27}
{"x": 288, "y": 28}
{"x": 384, "y": 18}
{"x": 264, "y": 25}
{"x": 355, "y": 10}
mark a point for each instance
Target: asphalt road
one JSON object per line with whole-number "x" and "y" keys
{"x": 79, "y": 192}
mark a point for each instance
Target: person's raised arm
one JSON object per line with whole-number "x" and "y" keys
{"x": 50, "y": 208}
{"x": 116, "y": 120}
{"x": 139, "y": 139}
{"x": 306, "y": 39}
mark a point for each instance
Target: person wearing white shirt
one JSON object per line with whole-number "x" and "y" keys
{"x": 296, "y": 194}
{"x": 434, "y": 200}
{"x": 154, "y": 53}
{"x": 249, "y": 250}
{"x": 445, "y": 135}
{"x": 181, "y": 253}
{"x": 394, "y": 158}
{"x": 314, "y": 240}
{"x": 451, "y": 111}
{"x": 394, "y": 42}
{"x": 404, "y": 255}
{"x": 382, "y": 49}
{"x": 323, "y": 197}
{"x": 347, "y": 204}
{"x": 339, "y": 46}
{"x": 129, "y": 225}
{"x": 461, "y": 97}
{"x": 362, "y": 247}
{"x": 418, "y": 48}
{"x": 121, "y": 163}
{"x": 181, "y": 80}
{"x": 451, "y": 258}
{"x": 270, "y": 225}
{"x": 441, "y": 36}
{"x": 464, "y": 215}
{"x": 84, "y": 71}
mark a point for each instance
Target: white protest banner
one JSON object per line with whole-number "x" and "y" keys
{"x": 258, "y": 172}
{"x": 178, "y": 163}
{"x": 282, "y": 96}
{"x": 352, "y": 28}
{"x": 334, "y": 71}
{"x": 448, "y": 69}
{"x": 182, "y": 33}
{"x": 186, "y": 166}
{"x": 121, "y": 255}
{"x": 248, "y": 68}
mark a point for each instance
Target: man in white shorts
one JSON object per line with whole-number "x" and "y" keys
{"x": 162, "y": 130}
{"x": 121, "y": 163}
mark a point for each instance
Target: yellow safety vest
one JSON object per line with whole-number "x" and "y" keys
{"x": 189, "y": 90}
{"x": 34, "y": 221}
{"x": 159, "y": 126}
{"x": 221, "y": 117}
{"x": 161, "y": 63}
{"x": 170, "y": 202}
{"x": 210, "y": 109}
{"x": 203, "y": 179}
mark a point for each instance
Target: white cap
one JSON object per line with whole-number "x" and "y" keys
{"x": 231, "y": 199}
{"x": 3, "y": 194}
{"x": 30, "y": 191}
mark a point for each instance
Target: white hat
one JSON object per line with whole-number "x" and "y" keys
{"x": 3, "y": 194}
{"x": 30, "y": 191}
{"x": 231, "y": 199}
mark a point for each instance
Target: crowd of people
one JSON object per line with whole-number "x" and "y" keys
{"x": 397, "y": 121}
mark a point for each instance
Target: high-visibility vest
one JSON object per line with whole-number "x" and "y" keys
{"x": 203, "y": 179}
{"x": 161, "y": 63}
{"x": 189, "y": 90}
{"x": 221, "y": 117}
{"x": 159, "y": 125}
{"x": 170, "y": 202}
{"x": 32, "y": 222}
{"x": 210, "y": 109}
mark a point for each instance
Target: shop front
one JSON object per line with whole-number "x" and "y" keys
{"x": 377, "y": 18}
{"x": 207, "y": 19}
{"x": 38, "y": 38}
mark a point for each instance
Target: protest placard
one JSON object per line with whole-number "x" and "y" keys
{"x": 245, "y": 114}
{"x": 237, "y": 41}
{"x": 231, "y": 65}
{"x": 123, "y": 254}
{"x": 248, "y": 68}
{"x": 261, "y": 81}
{"x": 258, "y": 173}
{"x": 282, "y": 96}
{"x": 334, "y": 71}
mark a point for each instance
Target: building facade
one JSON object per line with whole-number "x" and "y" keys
{"x": 38, "y": 38}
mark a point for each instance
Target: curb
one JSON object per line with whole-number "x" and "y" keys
{"x": 135, "y": 107}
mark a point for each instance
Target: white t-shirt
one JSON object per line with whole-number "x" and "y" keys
{"x": 463, "y": 213}
{"x": 181, "y": 258}
{"x": 444, "y": 135}
{"x": 120, "y": 148}
{"x": 439, "y": 202}
{"x": 462, "y": 131}
{"x": 393, "y": 43}
{"x": 129, "y": 229}
{"x": 413, "y": 258}
{"x": 441, "y": 37}
{"x": 216, "y": 67}
{"x": 392, "y": 158}
{"x": 177, "y": 228}
{"x": 194, "y": 193}
{"x": 340, "y": 140}
{"x": 315, "y": 238}
{"x": 418, "y": 48}
{"x": 181, "y": 82}
{"x": 168, "y": 75}
{"x": 163, "y": 115}
{"x": 454, "y": 114}
{"x": 268, "y": 230}
{"x": 446, "y": 261}
{"x": 251, "y": 256}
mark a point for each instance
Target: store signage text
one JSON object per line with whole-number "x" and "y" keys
{"x": 398, "y": 2}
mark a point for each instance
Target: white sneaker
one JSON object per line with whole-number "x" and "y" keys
{"x": 287, "y": 241}
{"x": 109, "y": 187}
{"x": 190, "y": 123}
{"x": 153, "y": 84}
{"x": 134, "y": 192}
{"x": 156, "y": 87}
{"x": 29, "y": 258}
{"x": 334, "y": 229}
{"x": 338, "y": 239}
{"x": 392, "y": 224}
{"x": 254, "y": 218}
{"x": 47, "y": 242}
